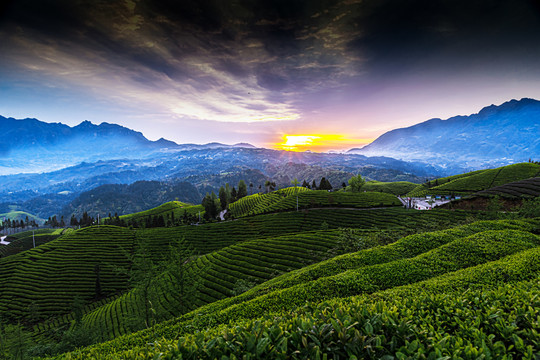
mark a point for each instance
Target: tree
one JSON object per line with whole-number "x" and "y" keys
{"x": 228, "y": 192}
{"x": 141, "y": 276}
{"x": 325, "y": 184}
{"x": 234, "y": 195}
{"x": 250, "y": 188}
{"x": 314, "y": 185}
{"x": 267, "y": 185}
{"x": 223, "y": 198}
{"x": 211, "y": 206}
{"x": 15, "y": 341}
{"x": 356, "y": 183}
{"x": 242, "y": 189}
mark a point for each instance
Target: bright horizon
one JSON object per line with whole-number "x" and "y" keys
{"x": 343, "y": 73}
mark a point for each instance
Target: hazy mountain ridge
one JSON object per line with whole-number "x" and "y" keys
{"x": 37, "y": 146}
{"x": 207, "y": 169}
{"x": 501, "y": 134}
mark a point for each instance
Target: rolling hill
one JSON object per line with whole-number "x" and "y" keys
{"x": 471, "y": 252}
{"x": 333, "y": 279}
{"x": 473, "y": 182}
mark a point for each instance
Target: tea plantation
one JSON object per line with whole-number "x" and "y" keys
{"x": 475, "y": 181}
{"x": 528, "y": 188}
{"x": 347, "y": 276}
{"x": 471, "y": 290}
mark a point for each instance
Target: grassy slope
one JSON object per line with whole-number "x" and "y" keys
{"x": 175, "y": 207}
{"x": 475, "y": 181}
{"x": 471, "y": 247}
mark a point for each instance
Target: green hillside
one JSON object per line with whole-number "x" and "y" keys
{"x": 275, "y": 202}
{"x": 43, "y": 282}
{"x": 348, "y": 275}
{"x": 475, "y": 181}
{"x": 257, "y": 203}
{"x": 477, "y": 261}
{"x": 279, "y": 238}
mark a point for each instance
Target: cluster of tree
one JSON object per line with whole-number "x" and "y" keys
{"x": 269, "y": 186}
{"x": 227, "y": 195}
{"x": 323, "y": 185}
{"x": 17, "y": 342}
{"x": 84, "y": 221}
{"x": 534, "y": 162}
{"x": 18, "y": 224}
{"x": 356, "y": 183}
{"x": 53, "y": 222}
{"x": 161, "y": 220}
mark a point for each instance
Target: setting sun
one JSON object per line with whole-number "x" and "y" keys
{"x": 294, "y": 142}
{"x": 319, "y": 142}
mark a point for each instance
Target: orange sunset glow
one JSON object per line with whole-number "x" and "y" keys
{"x": 319, "y": 142}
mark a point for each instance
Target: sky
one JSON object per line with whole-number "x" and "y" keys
{"x": 331, "y": 74}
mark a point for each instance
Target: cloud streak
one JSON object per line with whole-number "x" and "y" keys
{"x": 285, "y": 65}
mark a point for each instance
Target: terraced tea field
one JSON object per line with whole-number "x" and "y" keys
{"x": 475, "y": 181}
{"x": 317, "y": 199}
{"x": 256, "y": 203}
{"x": 528, "y": 188}
{"x": 218, "y": 275}
{"x": 402, "y": 288}
{"x": 330, "y": 280}
{"x": 44, "y": 281}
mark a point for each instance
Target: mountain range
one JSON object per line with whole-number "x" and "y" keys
{"x": 496, "y": 135}
{"x": 87, "y": 156}
{"x": 36, "y": 146}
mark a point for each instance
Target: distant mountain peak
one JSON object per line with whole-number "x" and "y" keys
{"x": 497, "y": 134}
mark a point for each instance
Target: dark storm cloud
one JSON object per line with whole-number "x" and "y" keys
{"x": 257, "y": 59}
